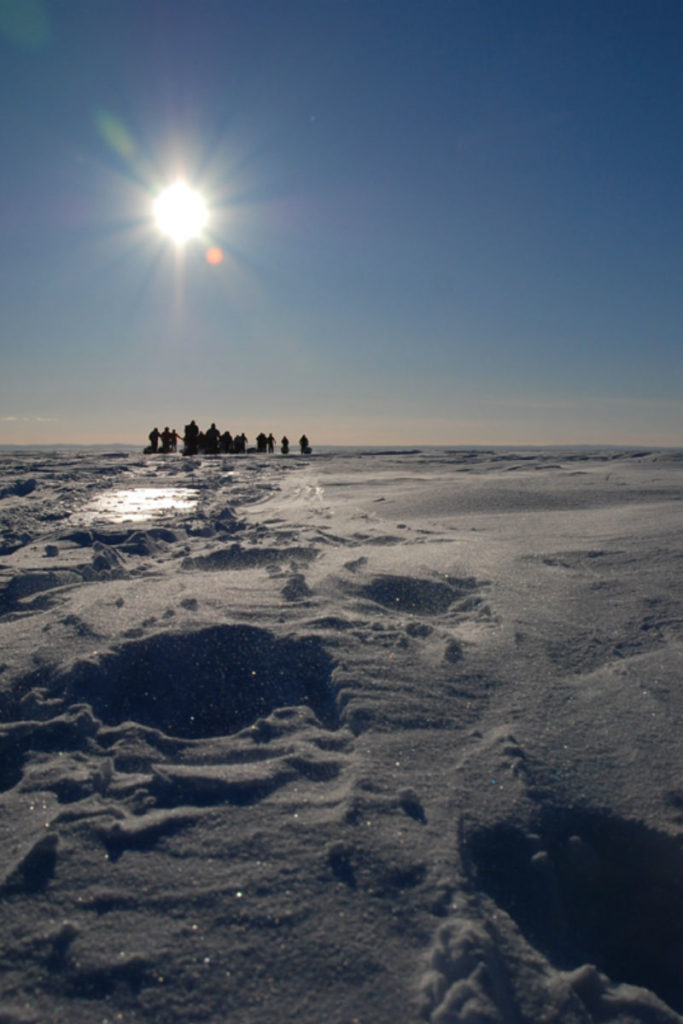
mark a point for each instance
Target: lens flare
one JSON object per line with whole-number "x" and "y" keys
{"x": 214, "y": 255}
{"x": 115, "y": 134}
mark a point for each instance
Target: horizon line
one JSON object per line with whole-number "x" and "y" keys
{"x": 124, "y": 445}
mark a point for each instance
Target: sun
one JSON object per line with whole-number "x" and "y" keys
{"x": 180, "y": 212}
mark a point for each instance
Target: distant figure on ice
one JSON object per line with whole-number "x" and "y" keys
{"x": 169, "y": 439}
{"x": 304, "y": 445}
{"x": 226, "y": 442}
{"x": 154, "y": 436}
{"x": 270, "y": 441}
{"x": 191, "y": 438}
{"x": 284, "y": 445}
{"x": 261, "y": 442}
{"x": 211, "y": 439}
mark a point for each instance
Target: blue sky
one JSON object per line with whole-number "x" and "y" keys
{"x": 442, "y": 222}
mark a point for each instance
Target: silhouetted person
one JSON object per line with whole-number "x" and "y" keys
{"x": 261, "y": 442}
{"x": 227, "y": 442}
{"x": 154, "y": 436}
{"x": 212, "y": 438}
{"x": 191, "y": 438}
{"x": 304, "y": 445}
{"x": 270, "y": 441}
{"x": 284, "y": 445}
{"x": 168, "y": 440}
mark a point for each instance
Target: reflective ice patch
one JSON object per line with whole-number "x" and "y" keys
{"x": 139, "y": 504}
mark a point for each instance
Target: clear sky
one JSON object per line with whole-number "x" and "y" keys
{"x": 441, "y": 221}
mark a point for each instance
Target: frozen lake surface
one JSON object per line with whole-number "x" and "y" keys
{"x": 369, "y": 736}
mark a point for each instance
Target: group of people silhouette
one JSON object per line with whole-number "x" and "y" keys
{"x": 213, "y": 442}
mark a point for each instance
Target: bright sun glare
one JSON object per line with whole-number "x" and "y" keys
{"x": 180, "y": 212}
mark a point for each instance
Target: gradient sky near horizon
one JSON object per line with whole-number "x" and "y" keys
{"x": 442, "y": 221}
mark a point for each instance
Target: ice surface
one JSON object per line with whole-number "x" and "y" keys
{"x": 136, "y": 505}
{"x": 362, "y": 736}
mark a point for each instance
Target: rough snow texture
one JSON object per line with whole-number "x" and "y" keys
{"x": 383, "y": 737}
